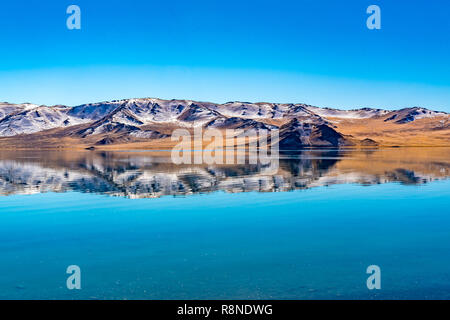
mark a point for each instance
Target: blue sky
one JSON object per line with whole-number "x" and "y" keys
{"x": 312, "y": 51}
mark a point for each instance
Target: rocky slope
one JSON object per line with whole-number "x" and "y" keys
{"x": 142, "y": 120}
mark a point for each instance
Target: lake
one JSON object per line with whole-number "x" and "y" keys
{"x": 141, "y": 227}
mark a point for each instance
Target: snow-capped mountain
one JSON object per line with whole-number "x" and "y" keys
{"x": 145, "y": 118}
{"x": 362, "y": 113}
{"x": 28, "y": 118}
{"x": 410, "y": 114}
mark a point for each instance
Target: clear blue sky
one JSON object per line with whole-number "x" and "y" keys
{"x": 312, "y": 51}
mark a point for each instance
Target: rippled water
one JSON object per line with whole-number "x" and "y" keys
{"x": 141, "y": 227}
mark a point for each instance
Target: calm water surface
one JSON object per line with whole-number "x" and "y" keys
{"x": 142, "y": 228}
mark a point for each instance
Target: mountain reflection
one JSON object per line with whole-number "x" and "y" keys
{"x": 145, "y": 174}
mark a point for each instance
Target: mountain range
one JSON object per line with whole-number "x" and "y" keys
{"x": 148, "y": 123}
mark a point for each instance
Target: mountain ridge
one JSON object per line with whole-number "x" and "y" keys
{"x": 142, "y": 119}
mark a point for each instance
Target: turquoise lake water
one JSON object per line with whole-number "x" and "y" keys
{"x": 307, "y": 243}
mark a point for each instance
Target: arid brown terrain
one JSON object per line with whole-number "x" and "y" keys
{"x": 148, "y": 124}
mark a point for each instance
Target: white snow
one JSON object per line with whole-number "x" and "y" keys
{"x": 30, "y": 118}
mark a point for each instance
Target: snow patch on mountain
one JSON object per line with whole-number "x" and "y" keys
{"x": 362, "y": 113}
{"x": 31, "y": 119}
{"x": 410, "y": 114}
{"x": 134, "y": 113}
{"x": 262, "y": 110}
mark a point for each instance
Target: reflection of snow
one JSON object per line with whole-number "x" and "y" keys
{"x": 141, "y": 176}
